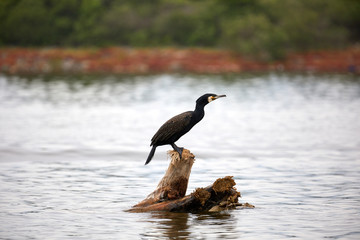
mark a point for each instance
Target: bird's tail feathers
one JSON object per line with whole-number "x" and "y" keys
{"x": 151, "y": 154}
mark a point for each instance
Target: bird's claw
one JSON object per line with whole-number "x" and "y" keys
{"x": 180, "y": 151}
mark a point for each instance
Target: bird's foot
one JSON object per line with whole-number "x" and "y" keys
{"x": 180, "y": 151}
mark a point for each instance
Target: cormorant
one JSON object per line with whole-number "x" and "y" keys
{"x": 177, "y": 126}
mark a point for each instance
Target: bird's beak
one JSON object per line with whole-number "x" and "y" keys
{"x": 219, "y": 96}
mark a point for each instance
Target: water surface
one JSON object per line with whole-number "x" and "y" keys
{"x": 72, "y": 151}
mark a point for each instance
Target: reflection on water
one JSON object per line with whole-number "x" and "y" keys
{"x": 72, "y": 151}
{"x": 191, "y": 226}
{"x": 171, "y": 225}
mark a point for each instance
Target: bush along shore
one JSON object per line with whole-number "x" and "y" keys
{"x": 117, "y": 60}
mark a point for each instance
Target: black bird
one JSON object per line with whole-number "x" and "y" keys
{"x": 177, "y": 126}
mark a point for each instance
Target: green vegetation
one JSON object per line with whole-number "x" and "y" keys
{"x": 266, "y": 29}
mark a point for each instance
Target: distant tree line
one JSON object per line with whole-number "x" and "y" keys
{"x": 267, "y": 29}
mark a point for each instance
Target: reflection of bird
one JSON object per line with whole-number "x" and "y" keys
{"x": 177, "y": 126}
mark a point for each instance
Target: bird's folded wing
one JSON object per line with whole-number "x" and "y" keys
{"x": 175, "y": 126}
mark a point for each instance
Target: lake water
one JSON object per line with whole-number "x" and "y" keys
{"x": 73, "y": 149}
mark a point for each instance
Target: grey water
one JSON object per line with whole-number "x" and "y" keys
{"x": 73, "y": 148}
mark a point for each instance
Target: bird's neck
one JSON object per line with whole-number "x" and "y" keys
{"x": 199, "y": 112}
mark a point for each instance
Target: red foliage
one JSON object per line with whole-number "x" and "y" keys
{"x": 142, "y": 61}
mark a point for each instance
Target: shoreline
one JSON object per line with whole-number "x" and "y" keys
{"x": 120, "y": 60}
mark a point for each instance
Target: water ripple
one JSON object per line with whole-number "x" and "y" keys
{"x": 72, "y": 156}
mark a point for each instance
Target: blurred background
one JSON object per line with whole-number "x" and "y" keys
{"x": 267, "y": 29}
{"x": 83, "y": 90}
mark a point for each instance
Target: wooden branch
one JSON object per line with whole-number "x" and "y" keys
{"x": 174, "y": 183}
{"x": 170, "y": 192}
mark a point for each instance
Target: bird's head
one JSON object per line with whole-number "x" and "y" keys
{"x": 209, "y": 97}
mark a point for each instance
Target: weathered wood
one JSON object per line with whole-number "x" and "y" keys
{"x": 174, "y": 183}
{"x": 170, "y": 192}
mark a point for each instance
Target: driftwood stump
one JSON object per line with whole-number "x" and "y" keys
{"x": 170, "y": 192}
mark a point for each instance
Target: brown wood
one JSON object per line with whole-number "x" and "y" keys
{"x": 170, "y": 192}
